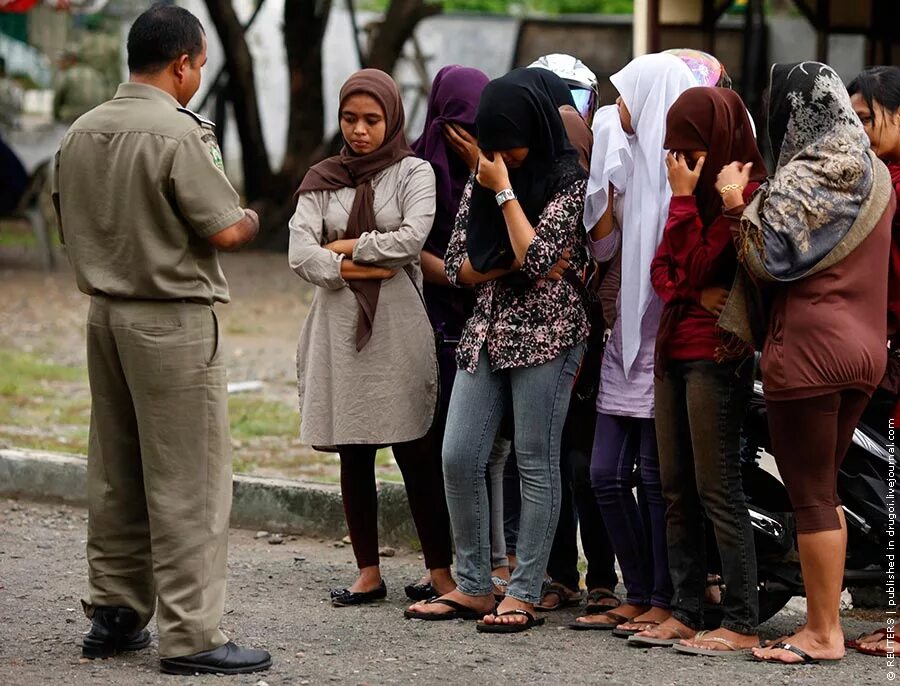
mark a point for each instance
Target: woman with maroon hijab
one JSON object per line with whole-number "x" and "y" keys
{"x": 703, "y": 379}
{"x": 365, "y": 360}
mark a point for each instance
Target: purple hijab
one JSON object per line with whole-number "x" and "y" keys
{"x": 453, "y": 100}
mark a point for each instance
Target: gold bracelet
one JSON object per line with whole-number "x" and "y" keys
{"x": 731, "y": 187}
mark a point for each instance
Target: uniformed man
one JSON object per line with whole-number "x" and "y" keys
{"x": 144, "y": 205}
{"x": 79, "y": 87}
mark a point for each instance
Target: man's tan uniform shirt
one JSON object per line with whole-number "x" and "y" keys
{"x": 140, "y": 183}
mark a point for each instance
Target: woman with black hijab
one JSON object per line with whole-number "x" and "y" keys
{"x": 521, "y": 347}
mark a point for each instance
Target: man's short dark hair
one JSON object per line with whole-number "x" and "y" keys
{"x": 161, "y": 35}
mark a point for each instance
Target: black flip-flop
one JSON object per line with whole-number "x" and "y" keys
{"x": 516, "y": 628}
{"x": 595, "y": 607}
{"x": 805, "y": 658}
{"x": 460, "y": 611}
{"x": 561, "y": 592}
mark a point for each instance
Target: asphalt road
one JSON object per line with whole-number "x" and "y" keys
{"x": 278, "y": 599}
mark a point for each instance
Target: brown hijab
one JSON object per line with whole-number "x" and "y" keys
{"x": 580, "y": 135}
{"x": 349, "y": 170}
{"x": 715, "y": 120}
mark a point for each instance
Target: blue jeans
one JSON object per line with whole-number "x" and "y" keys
{"x": 637, "y": 531}
{"x": 539, "y": 397}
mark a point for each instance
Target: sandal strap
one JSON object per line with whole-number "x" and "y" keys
{"x": 459, "y": 607}
{"x": 602, "y": 594}
{"x": 702, "y": 638}
{"x": 799, "y": 652}
{"x": 499, "y": 581}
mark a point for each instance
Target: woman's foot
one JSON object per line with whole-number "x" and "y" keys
{"x": 369, "y": 579}
{"x": 714, "y": 589}
{"x": 500, "y": 579}
{"x": 614, "y": 618}
{"x": 817, "y": 647}
{"x": 878, "y": 648}
{"x": 443, "y": 580}
{"x": 865, "y": 639}
{"x": 556, "y": 595}
{"x": 509, "y": 603}
{"x": 481, "y": 603}
{"x": 649, "y": 620}
{"x": 600, "y": 600}
{"x": 668, "y": 632}
{"x": 723, "y": 640}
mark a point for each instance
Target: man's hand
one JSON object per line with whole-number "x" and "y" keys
{"x": 492, "y": 173}
{"x": 463, "y": 144}
{"x": 682, "y": 178}
{"x": 713, "y": 299}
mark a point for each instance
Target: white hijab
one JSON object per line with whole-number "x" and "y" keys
{"x": 636, "y": 166}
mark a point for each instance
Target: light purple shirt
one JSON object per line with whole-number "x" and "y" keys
{"x": 631, "y": 395}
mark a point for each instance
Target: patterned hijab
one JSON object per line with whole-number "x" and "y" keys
{"x": 827, "y": 194}
{"x": 349, "y": 170}
{"x": 823, "y": 177}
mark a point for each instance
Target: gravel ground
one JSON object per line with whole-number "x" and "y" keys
{"x": 277, "y": 599}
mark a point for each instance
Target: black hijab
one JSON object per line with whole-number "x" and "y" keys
{"x": 517, "y": 111}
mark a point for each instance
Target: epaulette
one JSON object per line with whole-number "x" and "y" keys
{"x": 203, "y": 121}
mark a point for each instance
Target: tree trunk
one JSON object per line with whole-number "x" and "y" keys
{"x": 258, "y": 175}
{"x": 304, "y": 30}
{"x": 399, "y": 22}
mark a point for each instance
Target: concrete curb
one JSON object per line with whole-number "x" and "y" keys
{"x": 281, "y": 505}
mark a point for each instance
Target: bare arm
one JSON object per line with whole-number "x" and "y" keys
{"x": 350, "y": 271}
{"x": 469, "y": 277}
{"x": 236, "y": 236}
{"x": 433, "y": 269}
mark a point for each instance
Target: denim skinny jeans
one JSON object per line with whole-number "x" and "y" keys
{"x": 700, "y": 406}
{"x": 539, "y": 397}
{"x": 637, "y": 529}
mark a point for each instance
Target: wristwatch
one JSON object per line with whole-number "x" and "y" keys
{"x": 505, "y": 196}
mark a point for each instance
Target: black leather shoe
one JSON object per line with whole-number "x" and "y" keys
{"x": 343, "y": 597}
{"x": 226, "y": 659}
{"x": 114, "y": 630}
{"x": 421, "y": 591}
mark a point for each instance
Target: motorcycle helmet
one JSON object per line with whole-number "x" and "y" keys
{"x": 582, "y": 82}
{"x": 707, "y": 69}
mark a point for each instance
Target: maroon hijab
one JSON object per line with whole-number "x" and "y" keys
{"x": 349, "y": 170}
{"x": 715, "y": 120}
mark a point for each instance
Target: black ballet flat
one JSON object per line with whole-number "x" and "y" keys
{"x": 421, "y": 591}
{"x": 342, "y": 597}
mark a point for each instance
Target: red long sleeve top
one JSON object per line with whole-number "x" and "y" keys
{"x": 692, "y": 257}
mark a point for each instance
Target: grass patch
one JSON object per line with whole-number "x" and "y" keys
{"x": 254, "y": 417}
{"x": 43, "y": 406}
{"x": 47, "y": 406}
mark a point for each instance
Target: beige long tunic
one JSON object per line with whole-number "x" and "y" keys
{"x": 385, "y": 393}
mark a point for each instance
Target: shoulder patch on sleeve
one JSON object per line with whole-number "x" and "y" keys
{"x": 199, "y": 118}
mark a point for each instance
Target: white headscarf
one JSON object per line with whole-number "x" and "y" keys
{"x": 636, "y": 166}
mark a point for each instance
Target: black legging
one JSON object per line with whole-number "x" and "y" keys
{"x": 420, "y": 465}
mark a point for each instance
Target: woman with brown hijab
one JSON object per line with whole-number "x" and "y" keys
{"x": 703, "y": 382}
{"x": 366, "y": 360}
{"x": 818, "y": 236}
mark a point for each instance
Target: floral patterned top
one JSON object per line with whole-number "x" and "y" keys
{"x": 526, "y": 326}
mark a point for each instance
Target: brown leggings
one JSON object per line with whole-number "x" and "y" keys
{"x": 420, "y": 464}
{"x": 810, "y": 438}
